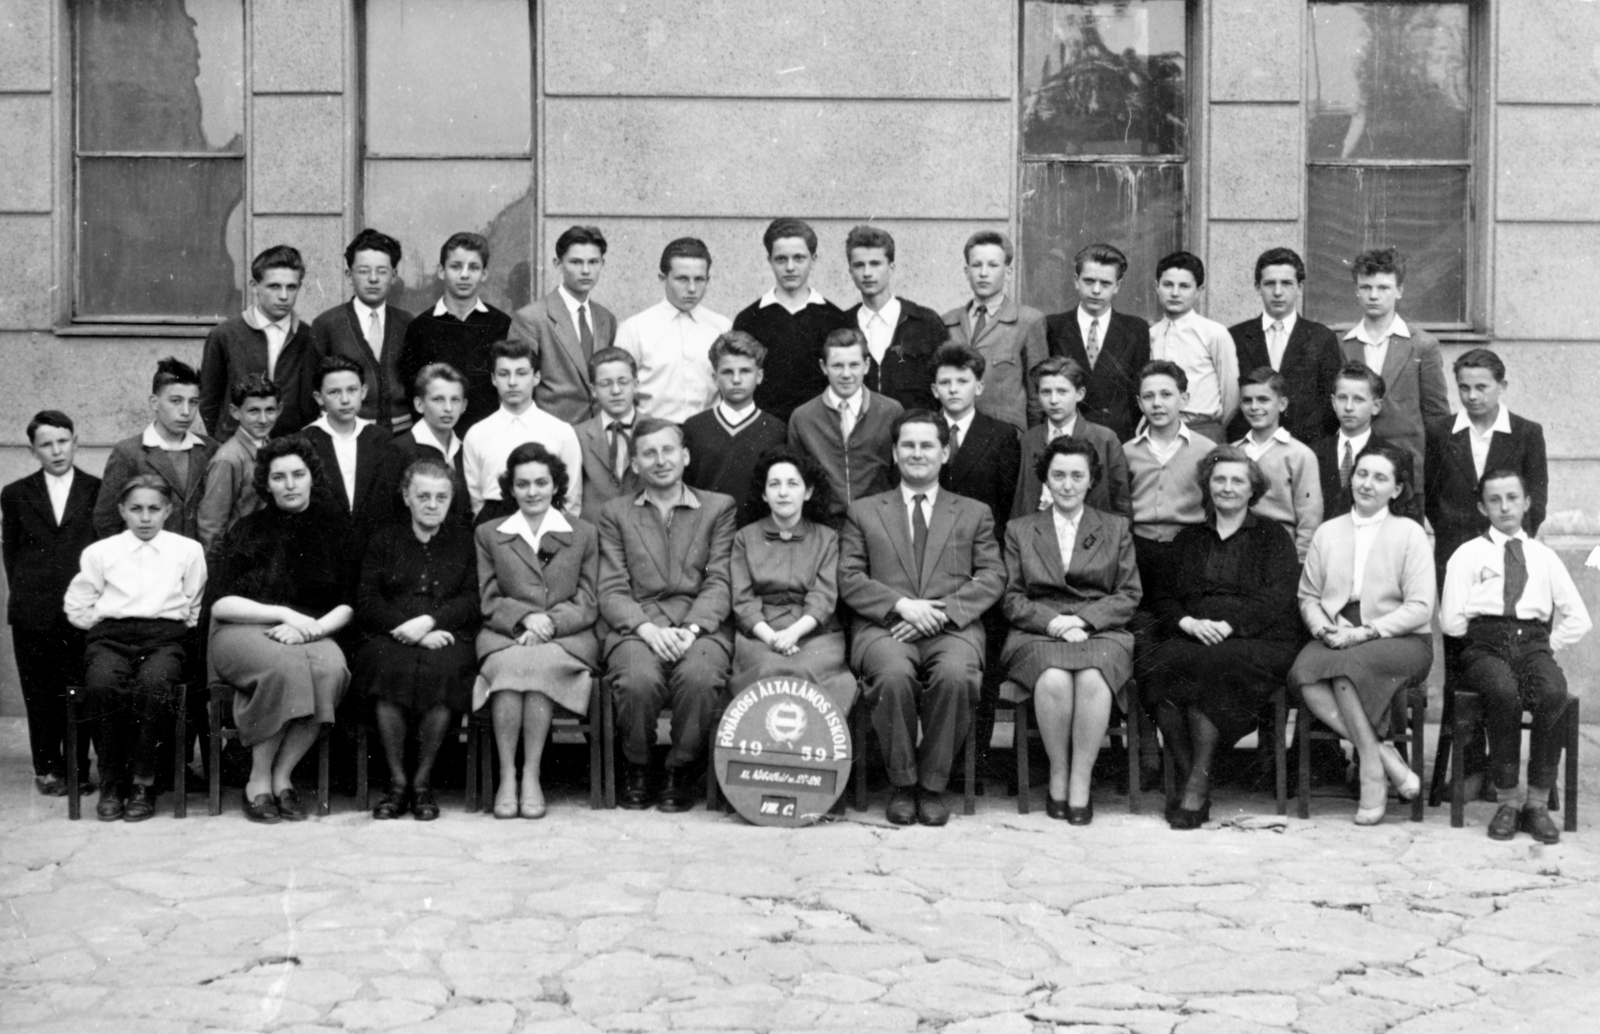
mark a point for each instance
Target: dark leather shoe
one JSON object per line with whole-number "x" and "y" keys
{"x": 1054, "y": 808}
{"x": 110, "y": 806}
{"x": 53, "y": 786}
{"x": 290, "y": 807}
{"x": 393, "y": 804}
{"x": 1080, "y": 816}
{"x": 424, "y": 805}
{"x": 1504, "y": 824}
{"x": 141, "y": 804}
{"x": 637, "y": 793}
{"x": 931, "y": 809}
{"x": 902, "y": 810}
{"x": 1184, "y": 818}
{"x": 262, "y": 808}
{"x": 677, "y": 792}
{"x": 1537, "y": 823}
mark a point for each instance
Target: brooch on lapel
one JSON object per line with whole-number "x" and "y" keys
{"x": 1088, "y": 542}
{"x": 546, "y": 555}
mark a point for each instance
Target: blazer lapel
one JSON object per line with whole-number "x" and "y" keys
{"x": 1295, "y": 349}
{"x": 940, "y": 526}
{"x": 653, "y": 530}
{"x": 1048, "y": 549}
{"x": 359, "y": 333}
{"x": 79, "y": 499}
{"x": 1396, "y": 361}
{"x": 593, "y": 440}
{"x": 893, "y": 515}
{"x": 39, "y": 498}
{"x": 163, "y": 465}
{"x": 518, "y": 545}
{"x": 1499, "y": 453}
{"x": 366, "y": 468}
{"x": 1091, "y": 539}
{"x": 567, "y": 334}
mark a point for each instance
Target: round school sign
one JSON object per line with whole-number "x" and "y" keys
{"x": 782, "y": 752}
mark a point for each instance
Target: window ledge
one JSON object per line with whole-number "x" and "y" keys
{"x": 145, "y": 330}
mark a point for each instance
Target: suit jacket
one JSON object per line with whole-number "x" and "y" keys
{"x": 558, "y": 581}
{"x": 1012, "y": 343}
{"x": 131, "y": 457}
{"x": 408, "y": 451}
{"x": 600, "y": 481}
{"x": 1112, "y": 399}
{"x": 338, "y": 331}
{"x": 877, "y": 568}
{"x": 1101, "y": 585}
{"x": 1452, "y": 490}
{"x": 1397, "y": 588}
{"x": 563, "y": 390}
{"x": 668, "y": 576}
{"x": 377, "y": 497}
{"x": 1415, "y": 392}
{"x": 985, "y": 467}
{"x": 41, "y": 556}
{"x": 1311, "y": 362}
{"x": 906, "y": 373}
{"x": 233, "y": 351}
{"x": 1336, "y": 499}
{"x": 1113, "y": 493}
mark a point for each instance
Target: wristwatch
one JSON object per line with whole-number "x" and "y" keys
{"x": 695, "y": 629}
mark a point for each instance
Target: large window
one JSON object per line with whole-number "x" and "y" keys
{"x": 1105, "y": 141}
{"x": 159, "y": 160}
{"x": 1390, "y": 144}
{"x": 448, "y": 141}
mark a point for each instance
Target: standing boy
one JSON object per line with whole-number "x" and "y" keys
{"x": 460, "y": 327}
{"x": 901, "y": 335}
{"x": 268, "y": 339}
{"x": 1294, "y": 488}
{"x": 167, "y": 447}
{"x": 791, "y": 320}
{"x": 439, "y": 397}
{"x": 1009, "y": 335}
{"x": 670, "y": 340}
{"x": 361, "y": 467}
{"x": 606, "y": 439}
{"x": 1200, "y": 346}
{"x": 518, "y": 420}
{"x": 1305, "y": 352}
{"x": 370, "y": 330}
{"x": 1111, "y": 346}
{"x": 1060, "y": 384}
{"x": 566, "y": 328}
{"x": 1163, "y": 462}
{"x": 846, "y": 430}
{"x": 230, "y": 491}
{"x": 984, "y": 451}
{"x": 1358, "y": 398}
{"x": 726, "y": 440}
{"x": 46, "y": 520}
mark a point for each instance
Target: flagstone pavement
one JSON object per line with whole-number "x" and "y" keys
{"x": 616, "y": 921}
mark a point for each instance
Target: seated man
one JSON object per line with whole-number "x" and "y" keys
{"x": 919, "y": 567}
{"x": 665, "y": 601}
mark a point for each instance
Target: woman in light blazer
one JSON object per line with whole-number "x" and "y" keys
{"x": 1071, "y": 587}
{"x": 1367, "y": 595}
{"x": 537, "y": 571}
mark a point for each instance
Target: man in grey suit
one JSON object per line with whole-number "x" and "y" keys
{"x": 665, "y": 600}
{"x": 566, "y": 328}
{"x": 919, "y": 567}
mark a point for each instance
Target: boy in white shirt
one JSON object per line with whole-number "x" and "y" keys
{"x": 517, "y": 420}
{"x": 1202, "y": 347}
{"x": 671, "y": 340}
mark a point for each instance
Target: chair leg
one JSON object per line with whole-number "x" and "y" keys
{"x": 1302, "y": 758}
{"x": 1460, "y": 733}
{"x": 1132, "y": 739}
{"x": 713, "y": 798}
{"x": 1019, "y": 741}
{"x": 474, "y": 801}
{"x": 969, "y": 802}
{"x": 591, "y": 732}
{"x": 608, "y": 745}
{"x": 1569, "y": 819}
{"x": 180, "y": 750}
{"x": 214, "y": 773}
{"x": 1418, "y": 708}
{"x": 323, "y": 743}
{"x": 363, "y": 786}
{"x": 487, "y": 755}
{"x": 1280, "y": 761}
{"x": 858, "y": 755}
{"x": 1442, "y": 752}
{"x": 74, "y": 785}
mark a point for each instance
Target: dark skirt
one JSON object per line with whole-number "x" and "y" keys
{"x": 414, "y": 677}
{"x": 276, "y": 683}
{"x": 1027, "y": 656}
{"x": 1379, "y": 669}
{"x": 1230, "y": 683}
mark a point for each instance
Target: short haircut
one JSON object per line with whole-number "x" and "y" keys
{"x": 1500, "y": 474}
{"x": 845, "y": 337}
{"x": 513, "y": 349}
{"x": 1059, "y": 366}
{"x": 685, "y": 248}
{"x": 1188, "y": 262}
{"x": 612, "y": 354}
{"x": 255, "y": 386}
{"x": 535, "y": 452}
{"x": 1265, "y": 375}
{"x": 960, "y": 356}
{"x": 650, "y": 425}
{"x": 1164, "y": 368}
{"x": 1379, "y": 260}
{"x": 50, "y": 418}
{"x": 739, "y": 343}
{"x": 784, "y": 228}
{"x": 573, "y": 235}
{"x": 464, "y": 241}
{"x": 437, "y": 372}
{"x": 1482, "y": 359}
{"x": 154, "y": 482}
{"x": 920, "y": 416}
{"x": 371, "y": 240}
{"x": 279, "y": 256}
{"x": 1228, "y": 454}
{"x": 428, "y": 467}
{"x": 865, "y": 236}
{"x": 1100, "y": 255}
{"x": 277, "y": 449}
{"x": 170, "y": 371}
{"x": 816, "y": 508}
{"x": 1356, "y": 370}
{"x": 1281, "y": 257}
{"x": 338, "y": 364}
{"x": 989, "y": 237}
{"x": 1067, "y": 445}
{"x": 1400, "y": 459}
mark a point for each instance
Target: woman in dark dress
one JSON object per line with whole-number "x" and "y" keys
{"x": 283, "y": 585}
{"x": 1227, "y": 628}
{"x": 417, "y": 609}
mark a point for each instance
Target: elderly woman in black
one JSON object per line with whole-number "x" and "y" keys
{"x": 283, "y": 586}
{"x": 1227, "y": 628}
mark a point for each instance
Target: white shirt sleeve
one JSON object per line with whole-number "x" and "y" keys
{"x": 472, "y": 467}
{"x": 571, "y": 454}
{"x": 1570, "y": 618}
{"x": 85, "y": 590}
{"x": 1457, "y": 588}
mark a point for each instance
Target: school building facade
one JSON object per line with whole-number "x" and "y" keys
{"x": 148, "y": 148}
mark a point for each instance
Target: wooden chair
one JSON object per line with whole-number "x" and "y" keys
{"x": 1467, "y": 712}
{"x": 594, "y": 727}
{"x": 1406, "y": 713}
{"x": 180, "y": 736}
{"x": 220, "y": 711}
{"x": 1020, "y": 700}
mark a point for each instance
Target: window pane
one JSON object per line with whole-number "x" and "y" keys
{"x": 161, "y": 75}
{"x": 1104, "y": 78}
{"x": 1389, "y": 80}
{"x": 449, "y": 78}
{"x": 1066, "y": 206}
{"x": 424, "y": 202}
{"x": 1421, "y": 211}
{"x": 160, "y": 237}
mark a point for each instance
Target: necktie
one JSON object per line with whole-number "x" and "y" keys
{"x": 1346, "y": 465}
{"x": 847, "y": 421}
{"x": 1275, "y": 344}
{"x": 1092, "y": 346}
{"x": 1516, "y": 576}
{"x": 374, "y": 333}
{"x": 955, "y": 442}
{"x": 919, "y": 532}
{"x": 980, "y": 319}
{"x": 585, "y": 334}
{"x": 619, "y": 446}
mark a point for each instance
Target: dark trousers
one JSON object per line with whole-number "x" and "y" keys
{"x": 1508, "y": 663}
{"x": 48, "y": 661}
{"x": 932, "y": 682}
{"x": 134, "y": 671}
{"x": 642, "y": 685}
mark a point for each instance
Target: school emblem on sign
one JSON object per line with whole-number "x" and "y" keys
{"x": 783, "y": 752}
{"x": 786, "y": 722}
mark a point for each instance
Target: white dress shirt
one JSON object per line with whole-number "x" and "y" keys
{"x": 122, "y": 577}
{"x": 517, "y": 524}
{"x": 879, "y": 327}
{"x": 989, "y": 307}
{"x": 1205, "y": 351}
{"x": 1275, "y": 352}
{"x": 849, "y": 409}
{"x": 441, "y": 309}
{"x": 59, "y": 486}
{"x": 932, "y": 494}
{"x": 1101, "y": 322}
{"x": 1474, "y": 586}
{"x": 277, "y": 335}
{"x": 152, "y": 439}
{"x": 960, "y": 427}
{"x": 490, "y": 441}
{"x": 344, "y": 450}
{"x": 1162, "y": 453}
{"x": 1480, "y": 442}
{"x": 1354, "y": 444}
{"x": 771, "y": 298}
{"x": 1375, "y": 350}
{"x": 1255, "y": 451}
{"x": 373, "y": 333}
{"x": 672, "y": 348}
{"x": 1366, "y": 535}
{"x": 1066, "y": 535}
{"x": 422, "y": 434}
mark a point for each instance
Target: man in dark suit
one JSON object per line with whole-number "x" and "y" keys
{"x": 566, "y": 328}
{"x": 919, "y": 566}
{"x": 665, "y": 601}
{"x": 268, "y": 338}
{"x": 169, "y": 447}
{"x": 359, "y": 464}
{"x": 48, "y": 519}
{"x": 1112, "y": 346}
{"x": 901, "y": 335}
{"x": 1304, "y": 351}
{"x": 370, "y": 330}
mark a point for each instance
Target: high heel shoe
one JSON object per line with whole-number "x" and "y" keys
{"x": 1366, "y": 816}
{"x": 533, "y": 806}
{"x": 1408, "y": 788}
{"x": 505, "y": 800}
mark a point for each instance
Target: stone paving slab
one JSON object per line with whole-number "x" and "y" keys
{"x": 590, "y": 922}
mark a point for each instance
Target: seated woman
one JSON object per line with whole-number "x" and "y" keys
{"x": 1367, "y": 596}
{"x": 785, "y": 582}
{"x": 417, "y": 608}
{"x": 1227, "y": 628}
{"x": 137, "y": 594}
{"x": 538, "y": 572}
{"x": 1072, "y": 585}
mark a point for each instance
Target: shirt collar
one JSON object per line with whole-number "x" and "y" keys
{"x": 1502, "y": 423}
{"x": 672, "y": 312}
{"x": 1181, "y": 321}
{"x": 1052, "y": 431}
{"x": 769, "y": 528}
{"x": 737, "y": 416}
{"x": 64, "y": 480}
{"x": 1288, "y": 324}
{"x": 992, "y": 306}
{"x": 248, "y": 440}
{"x": 606, "y": 419}
{"x": 257, "y": 320}
{"x": 1072, "y": 523}
{"x": 1367, "y": 522}
{"x": 364, "y": 311}
{"x": 1359, "y": 332}
{"x": 856, "y": 403}
{"x": 571, "y": 301}
{"x": 932, "y": 492}
{"x": 517, "y": 524}
{"x": 1357, "y": 441}
{"x": 1144, "y": 434}
{"x": 1084, "y": 317}
{"x": 322, "y": 422}
{"x": 439, "y": 308}
{"x": 422, "y": 434}
{"x": 890, "y": 312}
{"x": 771, "y": 298}
{"x": 1279, "y": 434}
{"x": 964, "y": 424}
{"x": 686, "y": 497}
{"x": 152, "y": 440}
{"x": 1500, "y": 538}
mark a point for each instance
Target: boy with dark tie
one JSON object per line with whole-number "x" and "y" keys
{"x": 1112, "y": 346}
{"x": 1304, "y": 351}
{"x": 567, "y": 327}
